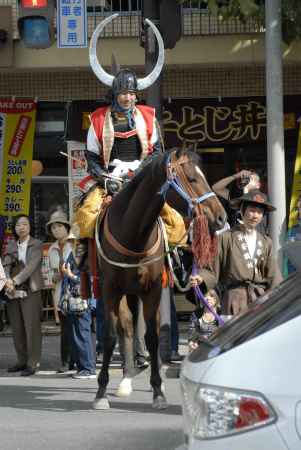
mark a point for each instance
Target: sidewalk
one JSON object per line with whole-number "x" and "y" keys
{"x": 50, "y": 328}
{"x": 50, "y": 351}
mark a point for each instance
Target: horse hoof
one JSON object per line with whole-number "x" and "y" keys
{"x": 125, "y": 388}
{"x": 160, "y": 403}
{"x": 101, "y": 403}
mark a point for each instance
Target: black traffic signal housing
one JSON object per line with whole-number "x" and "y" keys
{"x": 170, "y": 22}
{"x": 35, "y": 22}
{"x": 6, "y": 37}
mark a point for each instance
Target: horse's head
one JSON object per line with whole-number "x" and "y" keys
{"x": 187, "y": 178}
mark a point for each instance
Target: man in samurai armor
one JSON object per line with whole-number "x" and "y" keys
{"x": 121, "y": 134}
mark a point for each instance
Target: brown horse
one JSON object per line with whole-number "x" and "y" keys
{"x": 131, "y": 252}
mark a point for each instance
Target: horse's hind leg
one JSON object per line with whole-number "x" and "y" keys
{"x": 150, "y": 308}
{"x": 110, "y": 337}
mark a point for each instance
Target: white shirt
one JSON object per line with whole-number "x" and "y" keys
{"x": 22, "y": 249}
{"x": 251, "y": 238}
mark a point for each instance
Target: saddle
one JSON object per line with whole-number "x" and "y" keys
{"x": 90, "y": 206}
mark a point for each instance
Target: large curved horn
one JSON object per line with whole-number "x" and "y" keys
{"x": 101, "y": 74}
{"x": 107, "y": 79}
{"x": 144, "y": 83}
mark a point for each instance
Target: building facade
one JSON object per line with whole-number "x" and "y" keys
{"x": 213, "y": 93}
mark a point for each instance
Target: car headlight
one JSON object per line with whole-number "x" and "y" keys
{"x": 213, "y": 411}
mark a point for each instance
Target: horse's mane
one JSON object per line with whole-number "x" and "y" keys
{"x": 193, "y": 156}
{"x": 151, "y": 166}
{"x": 152, "y": 163}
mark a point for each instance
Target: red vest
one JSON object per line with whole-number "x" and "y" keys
{"x": 98, "y": 117}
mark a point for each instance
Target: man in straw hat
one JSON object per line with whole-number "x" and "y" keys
{"x": 245, "y": 265}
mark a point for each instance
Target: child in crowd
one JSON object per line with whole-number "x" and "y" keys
{"x": 203, "y": 321}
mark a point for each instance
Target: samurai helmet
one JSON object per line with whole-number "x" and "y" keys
{"x": 125, "y": 79}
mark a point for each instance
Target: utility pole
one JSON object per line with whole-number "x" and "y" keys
{"x": 151, "y": 11}
{"x": 275, "y": 129}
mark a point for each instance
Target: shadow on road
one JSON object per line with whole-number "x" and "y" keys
{"x": 62, "y": 399}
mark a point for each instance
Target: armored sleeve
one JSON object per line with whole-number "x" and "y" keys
{"x": 95, "y": 169}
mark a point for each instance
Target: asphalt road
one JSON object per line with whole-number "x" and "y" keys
{"x": 51, "y": 411}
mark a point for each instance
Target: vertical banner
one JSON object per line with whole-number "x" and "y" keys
{"x": 77, "y": 170}
{"x": 296, "y": 190}
{"x": 72, "y": 24}
{"x": 17, "y": 128}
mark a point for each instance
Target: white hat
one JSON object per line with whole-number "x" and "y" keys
{"x": 57, "y": 217}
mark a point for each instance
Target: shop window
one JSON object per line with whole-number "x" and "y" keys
{"x": 47, "y": 195}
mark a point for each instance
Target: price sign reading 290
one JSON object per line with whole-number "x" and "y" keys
{"x": 14, "y": 186}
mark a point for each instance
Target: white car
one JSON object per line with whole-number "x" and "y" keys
{"x": 241, "y": 389}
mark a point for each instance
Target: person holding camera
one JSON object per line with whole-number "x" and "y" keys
{"x": 245, "y": 264}
{"x": 235, "y": 186}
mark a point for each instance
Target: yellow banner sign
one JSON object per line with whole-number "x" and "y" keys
{"x": 296, "y": 190}
{"x": 17, "y": 127}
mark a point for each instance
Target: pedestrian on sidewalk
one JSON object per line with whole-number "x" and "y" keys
{"x": 3, "y": 283}
{"x": 22, "y": 264}
{"x": 58, "y": 227}
{"x": 78, "y": 321}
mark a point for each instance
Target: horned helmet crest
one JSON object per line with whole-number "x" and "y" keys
{"x": 125, "y": 79}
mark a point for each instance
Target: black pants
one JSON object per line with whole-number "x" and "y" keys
{"x": 65, "y": 340}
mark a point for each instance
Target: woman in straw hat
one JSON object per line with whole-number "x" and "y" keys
{"x": 59, "y": 227}
{"x": 245, "y": 265}
{"x": 76, "y": 341}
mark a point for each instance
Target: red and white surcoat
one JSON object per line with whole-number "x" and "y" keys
{"x": 101, "y": 134}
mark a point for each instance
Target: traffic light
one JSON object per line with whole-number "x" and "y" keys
{"x": 6, "y": 40}
{"x": 35, "y": 22}
{"x": 170, "y": 22}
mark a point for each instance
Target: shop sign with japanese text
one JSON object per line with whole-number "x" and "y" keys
{"x": 206, "y": 122}
{"x": 72, "y": 24}
{"x": 17, "y": 128}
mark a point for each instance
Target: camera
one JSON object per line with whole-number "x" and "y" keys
{"x": 244, "y": 181}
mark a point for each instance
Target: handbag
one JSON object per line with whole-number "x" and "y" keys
{"x": 71, "y": 302}
{"x": 22, "y": 289}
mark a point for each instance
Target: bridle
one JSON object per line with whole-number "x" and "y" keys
{"x": 176, "y": 179}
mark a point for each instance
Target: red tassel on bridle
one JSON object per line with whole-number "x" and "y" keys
{"x": 204, "y": 246}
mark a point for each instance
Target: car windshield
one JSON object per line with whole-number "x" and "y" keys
{"x": 274, "y": 308}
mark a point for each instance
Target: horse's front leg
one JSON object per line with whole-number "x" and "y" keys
{"x": 126, "y": 346}
{"x": 150, "y": 308}
{"x": 110, "y": 338}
